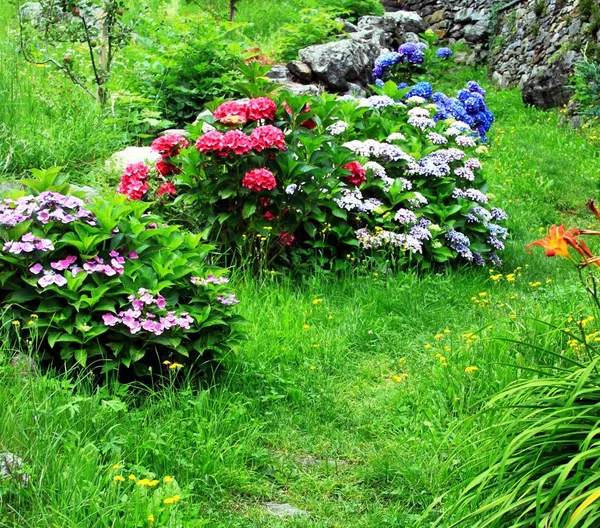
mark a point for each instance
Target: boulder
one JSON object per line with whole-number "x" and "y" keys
{"x": 547, "y": 87}
{"x": 347, "y": 26}
{"x": 392, "y": 5}
{"x": 500, "y": 80}
{"x": 378, "y": 36}
{"x": 301, "y": 71}
{"x": 477, "y": 32}
{"x": 406, "y": 21}
{"x": 119, "y": 160}
{"x": 279, "y": 73}
{"x": 12, "y": 467}
{"x": 337, "y": 63}
{"x": 302, "y": 89}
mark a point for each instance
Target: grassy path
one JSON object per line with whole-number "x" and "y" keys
{"x": 337, "y": 404}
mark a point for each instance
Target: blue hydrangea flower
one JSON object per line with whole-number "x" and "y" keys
{"x": 421, "y": 89}
{"x": 412, "y": 52}
{"x": 402, "y": 86}
{"x": 444, "y": 53}
{"x": 474, "y": 87}
{"x": 379, "y": 82}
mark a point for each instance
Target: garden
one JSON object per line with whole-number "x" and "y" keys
{"x": 279, "y": 308}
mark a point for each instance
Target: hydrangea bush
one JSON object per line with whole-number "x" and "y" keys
{"x": 325, "y": 180}
{"x": 107, "y": 284}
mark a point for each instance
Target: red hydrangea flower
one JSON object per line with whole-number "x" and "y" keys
{"x": 134, "y": 181}
{"x": 264, "y": 201}
{"x": 237, "y": 142}
{"x": 212, "y": 140}
{"x": 358, "y": 174}
{"x": 166, "y": 188}
{"x": 168, "y": 146}
{"x": 258, "y": 179}
{"x": 227, "y": 112}
{"x": 269, "y": 216}
{"x": 268, "y": 136}
{"x": 286, "y": 238}
{"x": 165, "y": 169}
{"x": 261, "y": 108}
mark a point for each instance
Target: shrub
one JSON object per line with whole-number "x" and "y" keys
{"x": 185, "y": 63}
{"x": 314, "y": 27}
{"x": 109, "y": 283}
{"x": 586, "y": 83}
{"x": 326, "y": 181}
{"x": 354, "y": 9}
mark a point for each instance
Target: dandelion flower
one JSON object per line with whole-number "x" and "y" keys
{"x": 166, "y": 362}
{"x": 119, "y": 478}
{"x": 172, "y": 500}
{"x": 175, "y": 366}
{"x": 151, "y": 518}
{"x": 132, "y": 477}
{"x": 305, "y": 326}
{"x": 447, "y": 331}
{"x": 438, "y": 336}
{"x": 116, "y": 466}
{"x": 317, "y": 301}
{"x": 427, "y": 346}
{"x": 470, "y": 370}
{"x": 167, "y": 479}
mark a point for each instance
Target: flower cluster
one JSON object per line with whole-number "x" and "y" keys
{"x": 382, "y": 238}
{"x": 469, "y": 107}
{"x": 238, "y": 113}
{"x": 148, "y": 312}
{"x": 28, "y": 244}
{"x": 239, "y": 143}
{"x": 44, "y": 208}
{"x": 357, "y": 173}
{"x": 257, "y": 180}
{"x": 134, "y": 181}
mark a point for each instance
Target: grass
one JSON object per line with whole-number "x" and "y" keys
{"x": 337, "y": 404}
{"x": 314, "y": 410}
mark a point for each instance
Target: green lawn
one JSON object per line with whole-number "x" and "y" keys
{"x": 337, "y": 404}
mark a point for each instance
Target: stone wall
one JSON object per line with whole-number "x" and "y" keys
{"x": 530, "y": 39}
{"x": 532, "y": 44}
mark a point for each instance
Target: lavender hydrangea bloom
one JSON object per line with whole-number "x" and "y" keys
{"x": 495, "y": 243}
{"x": 465, "y": 173}
{"x": 412, "y": 53}
{"x": 459, "y": 243}
{"x": 405, "y": 216}
{"x": 498, "y": 214}
{"x": 228, "y": 300}
{"x": 478, "y": 260}
{"x": 437, "y": 139}
{"x": 377, "y": 101}
{"x": 422, "y": 123}
{"x": 420, "y": 233}
{"x": 444, "y": 53}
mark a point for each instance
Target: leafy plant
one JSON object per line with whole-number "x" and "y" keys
{"x": 314, "y": 27}
{"x": 586, "y": 84}
{"x": 109, "y": 285}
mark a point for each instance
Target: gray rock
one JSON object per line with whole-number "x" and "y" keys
{"x": 407, "y": 21}
{"x": 464, "y": 15}
{"x": 547, "y": 86}
{"x": 376, "y": 35}
{"x": 355, "y": 91}
{"x": 283, "y": 510}
{"x": 302, "y": 89}
{"x": 499, "y": 80}
{"x": 338, "y": 63}
{"x": 385, "y": 23}
{"x": 465, "y": 58}
{"x": 477, "y": 32}
{"x": 435, "y": 17}
{"x": 279, "y": 73}
{"x": 411, "y": 37}
{"x": 11, "y": 467}
{"x": 25, "y": 364}
{"x": 301, "y": 71}
{"x": 180, "y": 131}
{"x": 347, "y": 26}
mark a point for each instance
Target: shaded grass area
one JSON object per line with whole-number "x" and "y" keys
{"x": 339, "y": 403}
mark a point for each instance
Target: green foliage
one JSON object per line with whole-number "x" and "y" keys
{"x": 586, "y": 83}
{"x": 545, "y": 471}
{"x": 88, "y": 269}
{"x": 354, "y": 9}
{"x": 315, "y": 26}
{"x": 184, "y": 63}
{"x": 540, "y": 8}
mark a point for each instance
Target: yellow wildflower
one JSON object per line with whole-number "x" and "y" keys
{"x": 175, "y": 366}
{"x": 317, "y": 301}
{"x": 166, "y": 362}
{"x": 119, "y": 478}
{"x": 470, "y": 370}
{"x": 172, "y": 500}
{"x": 305, "y": 326}
{"x": 151, "y": 518}
{"x": 116, "y": 466}
{"x": 427, "y": 346}
{"x": 153, "y": 483}
{"x": 510, "y": 277}
{"x": 143, "y": 482}
{"x": 167, "y": 479}
{"x": 132, "y": 477}
{"x": 447, "y": 331}
{"x": 438, "y": 336}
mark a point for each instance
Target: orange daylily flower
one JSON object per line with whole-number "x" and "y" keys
{"x": 555, "y": 242}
